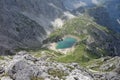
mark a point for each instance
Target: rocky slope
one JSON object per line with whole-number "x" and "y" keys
{"x": 24, "y": 66}
{"x": 106, "y": 13}
{"x": 96, "y": 38}
{"x": 25, "y": 23}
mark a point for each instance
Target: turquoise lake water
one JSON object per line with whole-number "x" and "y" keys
{"x": 66, "y": 43}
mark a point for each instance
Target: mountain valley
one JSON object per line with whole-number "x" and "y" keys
{"x": 59, "y": 40}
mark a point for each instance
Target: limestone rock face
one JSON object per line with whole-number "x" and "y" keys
{"x": 20, "y": 68}
{"x": 109, "y": 14}
{"x": 24, "y": 66}
{"x": 6, "y": 78}
{"x": 105, "y": 12}
{"x": 25, "y": 23}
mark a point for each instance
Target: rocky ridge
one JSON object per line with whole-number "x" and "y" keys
{"x": 24, "y": 66}
{"x": 26, "y": 23}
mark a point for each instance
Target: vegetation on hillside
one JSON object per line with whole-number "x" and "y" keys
{"x": 84, "y": 28}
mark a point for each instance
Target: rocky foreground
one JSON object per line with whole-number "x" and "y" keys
{"x": 24, "y": 66}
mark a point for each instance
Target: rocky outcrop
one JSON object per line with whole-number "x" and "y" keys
{"x": 6, "y": 78}
{"x": 107, "y": 64}
{"x": 105, "y": 13}
{"x": 107, "y": 76}
{"x": 24, "y": 66}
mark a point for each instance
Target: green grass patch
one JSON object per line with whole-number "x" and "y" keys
{"x": 1, "y": 58}
{"x": 56, "y": 72}
{"x": 80, "y": 55}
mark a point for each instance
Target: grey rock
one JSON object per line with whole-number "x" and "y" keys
{"x": 107, "y": 76}
{"x": 6, "y": 78}
{"x": 22, "y": 68}
{"x": 22, "y": 53}
{"x": 2, "y": 70}
{"x": 25, "y": 24}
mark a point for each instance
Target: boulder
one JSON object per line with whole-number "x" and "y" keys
{"x": 6, "y": 78}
